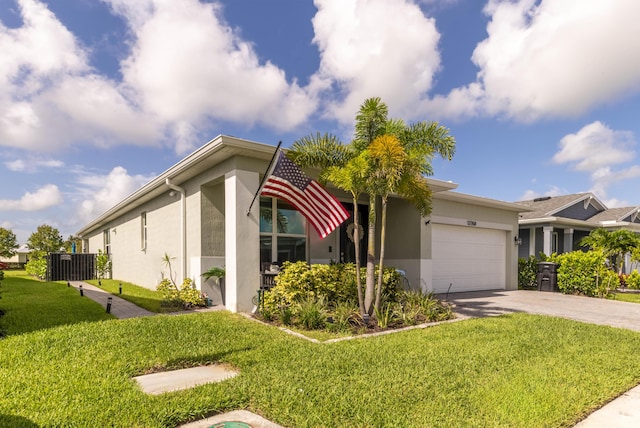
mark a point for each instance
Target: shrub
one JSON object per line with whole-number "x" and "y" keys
{"x": 633, "y": 280}
{"x": 527, "y": 273}
{"x": 37, "y": 267}
{"x": 385, "y": 316}
{"x": 311, "y": 313}
{"x": 585, "y": 273}
{"x": 103, "y": 264}
{"x": 334, "y": 283}
{"x": 346, "y": 315}
{"x": 187, "y": 295}
{"x": 415, "y": 307}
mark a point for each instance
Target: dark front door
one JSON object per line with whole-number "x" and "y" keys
{"x": 347, "y": 246}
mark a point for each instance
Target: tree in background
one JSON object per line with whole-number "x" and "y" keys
{"x": 73, "y": 242}
{"x": 8, "y": 243}
{"x": 46, "y": 239}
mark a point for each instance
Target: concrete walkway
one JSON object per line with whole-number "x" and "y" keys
{"x": 624, "y": 411}
{"x": 120, "y": 308}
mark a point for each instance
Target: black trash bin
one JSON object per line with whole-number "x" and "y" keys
{"x": 547, "y": 276}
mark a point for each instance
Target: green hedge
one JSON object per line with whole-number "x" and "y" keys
{"x": 527, "y": 273}
{"x": 585, "y": 273}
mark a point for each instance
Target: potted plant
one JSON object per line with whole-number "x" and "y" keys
{"x": 218, "y": 273}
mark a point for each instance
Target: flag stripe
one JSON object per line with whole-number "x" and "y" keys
{"x": 288, "y": 182}
{"x": 284, "y": 192}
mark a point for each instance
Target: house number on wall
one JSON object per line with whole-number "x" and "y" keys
{"x": 471, "y": 222}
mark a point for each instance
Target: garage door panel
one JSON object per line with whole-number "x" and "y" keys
{"x": 469, "y": 258}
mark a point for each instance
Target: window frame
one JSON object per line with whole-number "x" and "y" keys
{"x": 274, "y": 234}
{"x": 143, "y": 231}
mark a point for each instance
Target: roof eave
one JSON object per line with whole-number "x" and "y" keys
{"x": 179, "y": 173}
{"x": 481, "y": 201}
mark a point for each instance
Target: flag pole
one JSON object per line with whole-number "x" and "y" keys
{"x": 264, "y": 177}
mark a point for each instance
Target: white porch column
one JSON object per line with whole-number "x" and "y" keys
{"x": 242, "y": 240}
{"x": 532, "y": 242}
{"x": 568, "y": 240}
{"x": 546, "y": 247}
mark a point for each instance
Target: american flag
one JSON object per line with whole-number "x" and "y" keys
{"x": 320, "y": 208}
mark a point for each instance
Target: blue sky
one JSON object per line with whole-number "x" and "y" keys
{"x": 99, "y": 96}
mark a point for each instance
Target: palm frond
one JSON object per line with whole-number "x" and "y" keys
{"x": 319, "y": 151}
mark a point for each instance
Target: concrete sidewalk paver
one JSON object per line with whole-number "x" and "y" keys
{"x": 623, "y": 412}
{"x": 175, "y": 380}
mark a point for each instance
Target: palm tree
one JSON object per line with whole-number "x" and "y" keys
{"x": 387, "y": 162}
{"x": 371, "y": 122}
{"x": 397, "y": 163}
{"x": 346, "y": 171}
{"x": 614, "y": 244}
{"x": 352, "y": 177}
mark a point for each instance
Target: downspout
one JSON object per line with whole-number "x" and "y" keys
{"x": 183, "y": 221}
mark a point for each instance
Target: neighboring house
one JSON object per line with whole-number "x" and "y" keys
{"x": 557, "y": 224}
{"x": 20, "y": 258}
{"x": 198, "y": 212}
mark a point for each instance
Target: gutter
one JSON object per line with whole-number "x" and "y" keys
{"x": 183, "y": 222}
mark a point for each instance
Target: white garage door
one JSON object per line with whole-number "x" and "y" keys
{"x": 469, "y": 258}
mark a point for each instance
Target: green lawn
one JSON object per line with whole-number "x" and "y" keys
{"x": 628, "y": 297}
{"x": 151, "y": 300}
{"x": 512, "y": 371}
{"x": 32, "y": 305}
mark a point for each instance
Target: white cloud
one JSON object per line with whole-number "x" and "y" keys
{"x": 98, "y": 193}
{"x": 595, "y": 146}
{"x": 596, "y": 149}
{"x": 368, "y": 48}
{"x": 186, "y": 65}
{"x": 552, "y": 58}
{"x": 51, "y": 98}
{"x": 32, "y": 164}
{"x": 45, "y": 197}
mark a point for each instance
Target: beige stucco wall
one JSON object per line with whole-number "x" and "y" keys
{"x": 205, "y": 229}
{"x": 131, "y": 262}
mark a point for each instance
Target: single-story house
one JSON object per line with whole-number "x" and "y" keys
{"x": 20, "y": 258}
{"x": 557, "y": 224}
{"x": 197, "y": 212}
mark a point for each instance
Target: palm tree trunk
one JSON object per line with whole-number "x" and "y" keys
{"x": 356, "y": 244}
{"x": 371, "y": 257}
{"x": 381, "y": 263}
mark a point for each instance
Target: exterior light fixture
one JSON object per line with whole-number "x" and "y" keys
{"x": 81, "y": 290}
{"x": 517, "y": 240}
{"x": 109, "y": 300}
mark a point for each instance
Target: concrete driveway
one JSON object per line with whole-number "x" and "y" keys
{"x": 588, "y": 309}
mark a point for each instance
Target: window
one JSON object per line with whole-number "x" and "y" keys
{"x": 554, "y": 242}
{"x": 283, "y": 232}
{"x": 106, "y": 237}
{"x": 143, "y": 231}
